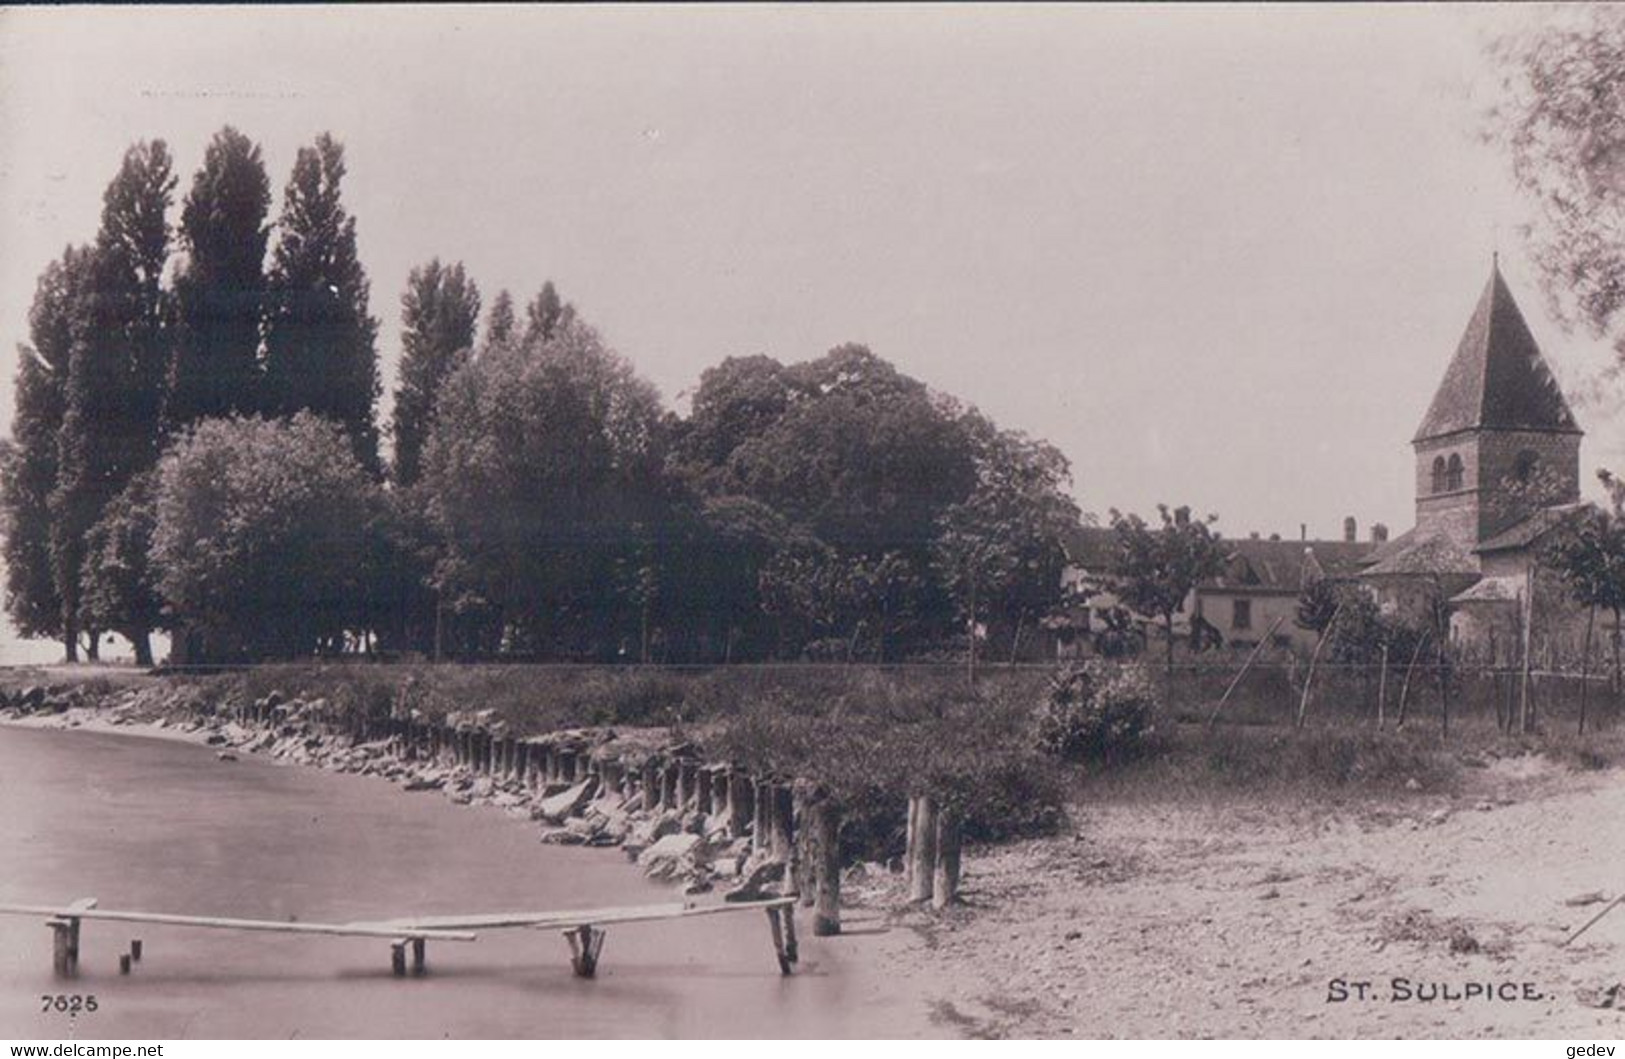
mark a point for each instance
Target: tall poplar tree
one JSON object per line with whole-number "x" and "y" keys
{"x": 320, "y": 340}
{"x": 439, "y": 312}
{"x": 220, "y": 287}
{"x": 30, "y": 464}
{"x": 499, "y": 323}
{"x": 117, "y": 366}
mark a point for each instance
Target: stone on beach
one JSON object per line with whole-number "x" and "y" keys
{"x": 568, "y": 802}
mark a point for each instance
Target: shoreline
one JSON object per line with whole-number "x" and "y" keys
{"x": 1250, "y": 907}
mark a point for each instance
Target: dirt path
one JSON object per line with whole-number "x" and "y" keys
{"x": 1196, "y": 921}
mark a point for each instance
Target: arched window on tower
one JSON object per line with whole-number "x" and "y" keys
{"x": 1438, "y": 474}
{"x": 1526, "y": 466}
{"x": 1453, "y": 473}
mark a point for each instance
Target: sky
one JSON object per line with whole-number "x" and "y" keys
{"x": 1220, "y": 256}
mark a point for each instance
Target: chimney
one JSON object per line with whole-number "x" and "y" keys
{"x": 1351, "y": 530}
{"x": 1303, "y": 531}
{"x": 1379, "y": 533}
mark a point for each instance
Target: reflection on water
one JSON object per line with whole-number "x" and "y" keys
{"x": 159, "y": 826}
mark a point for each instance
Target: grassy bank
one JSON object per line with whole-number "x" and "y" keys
{"x": 874, "y": 734}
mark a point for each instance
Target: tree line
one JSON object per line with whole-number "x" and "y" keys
{"x": 197, "y": 448}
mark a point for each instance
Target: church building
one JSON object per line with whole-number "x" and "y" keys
{"x": 1497, "y": 471}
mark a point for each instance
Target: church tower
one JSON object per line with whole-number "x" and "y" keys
{"x": 1499, "y": 441}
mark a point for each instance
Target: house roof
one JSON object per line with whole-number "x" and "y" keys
{"x": 1422, "y": 553}
{"x": 1286, "y": 566}
{"x": 1250, "y": 565}
{"x": 1492, "y": 590}
{"x": 1498, "y": 379}
{"x": 1532, "y": 528}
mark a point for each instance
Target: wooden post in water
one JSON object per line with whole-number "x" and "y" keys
{"x": 782, "y": 825}
{"x": 702, "y": 791}
{"x": 668, "y": 786}
{"x": 64, "y": 946}
{"x": 803, "y": 865}
{"x": 719, "y": 791}
{"x": 420, "y": 961}
{"x": 651, "y": 784}
{"x": 922, "y": 847}
{"x": 741, "y": 804}
{"x": 687, "y": 784}
{"x": 586, "y": 942}
{"x": 945, "y": 880}
{"x": 826, "y": 872}
{"x": 762, "y": 801}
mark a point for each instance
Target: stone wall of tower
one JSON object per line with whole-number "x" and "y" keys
{"x": 1454, "y": 513}
{"x": 1484, "y": 505}
{"x": 1557, "y": 455}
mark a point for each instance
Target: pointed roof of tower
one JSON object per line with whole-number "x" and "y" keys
{"x": 1498, "y": 379}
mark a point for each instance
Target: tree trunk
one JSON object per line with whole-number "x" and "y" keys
{"x": 1585, "y": 666}
{"x": 1168, "y": 645}
{"x": 142, "y": 640}
{"x": 93, "y": 645}
{"x": 70, "y": 645}
{"x": 945, "y": 878}
{"x": 922, "y": 848}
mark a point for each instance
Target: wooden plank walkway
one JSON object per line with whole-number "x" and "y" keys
{"x": 583, "y": 928}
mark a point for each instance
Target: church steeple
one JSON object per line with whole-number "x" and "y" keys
{"x": 1499, "y": 441}
{"x": 1498, "y": 379}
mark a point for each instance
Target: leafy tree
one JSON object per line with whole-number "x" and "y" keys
{"x": 739, "y": 399}
{"x": 1561, "y": 119}
{"x": 259, "y": 537}
{"x": 220, "y": 286}
{"x": 118, "y": 365}
{"x": 320, "y": 339}
{"x": 1159, "y": 567}
{"x": 546, "y": 315}
{"x": 439, "y": 312}
{"x": 543, "y": 473}
{"x": 1001, "y": 551}
{"x": 120, "y": 591}
{"x": 1589, "y": 555}
{"x": 30, "y": 462}
{"x": 867, "y": 459}
{"x": 499, "y": 323}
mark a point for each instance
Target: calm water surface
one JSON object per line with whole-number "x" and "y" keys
{"x": 162, "y": 826}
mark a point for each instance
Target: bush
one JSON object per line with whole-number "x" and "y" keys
{"x": 1098, "y": 710}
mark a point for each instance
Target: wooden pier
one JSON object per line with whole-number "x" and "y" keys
{"x": 583, "y": 929}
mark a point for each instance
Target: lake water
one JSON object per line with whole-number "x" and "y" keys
{"x": 164, "y": 826}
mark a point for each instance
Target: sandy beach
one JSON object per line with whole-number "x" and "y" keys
{"x": 1237, "y": 919}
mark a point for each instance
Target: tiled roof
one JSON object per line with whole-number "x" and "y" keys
{"x": 1260, "y": 565}
{"x": 1498, "y": 379}
{"x": 1432, "y": 553}
{"x": 1532, "y": 528}
{"x": 1492, "y": 590}
{"x": 1286, "y": 566}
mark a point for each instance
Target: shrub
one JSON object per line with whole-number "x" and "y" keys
{"x": 1098, "y": 710}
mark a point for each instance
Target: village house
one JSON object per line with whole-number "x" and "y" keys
{"x": 1497, "y": 473}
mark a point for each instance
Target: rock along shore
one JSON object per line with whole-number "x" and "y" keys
{"x": 698, "y": 824}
